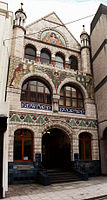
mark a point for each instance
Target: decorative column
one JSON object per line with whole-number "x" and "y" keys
{"x": 53, "y": 60}
{"x": 38, "y": 56}
{"x": 55, "y": 103}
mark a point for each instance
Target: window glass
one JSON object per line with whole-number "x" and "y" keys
{"x": 68, "y": 102}
{"x": 70, "y": 96}
{"x": 74, "y": 94}
{"x": 85, "y": 146}
{"x": 27, "y": 149}
{"x": 30, "y": 53}
{"x": 59, "y": 61}
{"x": 32, "y": 97}
{"x": 74, "y": 103}
{"x": 45, "y": 57}
{"x": 36, "y": 92}
{"x": 61, "y": 102}
{"x": 18, "y": 148}
{"x": 23, "y": 145}
{"x": 73, "y": 63}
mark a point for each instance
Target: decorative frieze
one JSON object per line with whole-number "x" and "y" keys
{"x": 40, "y": 119}
{"x": 19, "y": 68}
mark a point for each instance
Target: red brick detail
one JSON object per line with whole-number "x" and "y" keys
{"x": 37, "y": 59}
{"x": 53, "y": 63}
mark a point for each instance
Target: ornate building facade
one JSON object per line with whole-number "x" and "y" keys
{"x": 52, "y": 113}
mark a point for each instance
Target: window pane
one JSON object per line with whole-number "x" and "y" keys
{"x": 18, "y": 133}
{"x": 79, "y": 95}
{"x": 80, "y": 103}
{"x": 40, "y": 89}
{"x": 30, "y": 51}
{"x": 88, "y": 149}
{"x": 73, "y": 63}
{"x": 45, "y": 57}
{"x": 24, "y": 95}
{"x": 32, "y": 88}
{"x": 59, "y": 61}
{"x": 33, "y": 96}
{"x": 73, "y": 92}
{"x": 27, "y": 149}
{"x": 18, "y": 148}
{"x": 47, "y": 91}
{"x": 68, "y": 91}
{"x": 61, "y": 101}
{"x": 40, "y": 98}
{"x": 48, "y": 99}
{"x": 62, "y": 92}
{"x": 81, "y": 150}
{"x": 27, "y": 133}
{"x": 68, "y": 102}
{"x": 74, "y": 102}
{"x": 30, "y": 57}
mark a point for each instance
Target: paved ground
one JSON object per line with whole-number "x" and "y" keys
{"x": 94, "y": 187}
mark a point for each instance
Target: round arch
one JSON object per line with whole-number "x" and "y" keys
{"x": 23, "y": 145}
{"x": 46, "y": 29}
{"x": 74, "y": 82}
{"x": 44, "y": 77}
{"x": 65, "y": 127}
{"x": 56, "y": 145}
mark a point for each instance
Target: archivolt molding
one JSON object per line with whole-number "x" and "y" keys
{"x": 48, "y": 28}
{"x": 20, "y": 126}
{"x": 38, "y": 74}
{"x": 58, "y": 124}
{"x": 93, "y": 133}
{"x": 74, "y": 82}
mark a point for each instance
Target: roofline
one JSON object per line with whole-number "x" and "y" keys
{"x": 51, "y": 22}
{"x": 101, "y": 10}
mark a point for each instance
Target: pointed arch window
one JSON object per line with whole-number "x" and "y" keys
{"x": 34, "y": 90}
{"x": 23, "y": 145}
{"x": 71, "y": 96}
{"x": 30, "y": 52}
{"x": 45, "y": 56}
{"x": 73, "y": 63}
{"x": 85, "y": 146}
{"x": 59, "y": 60}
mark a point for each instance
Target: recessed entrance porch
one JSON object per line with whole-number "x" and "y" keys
{"x": 55, "y": 149}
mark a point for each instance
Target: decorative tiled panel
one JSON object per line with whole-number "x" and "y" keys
{"x": 18, "y": 69}
{"x": 35, "y": 106}
{"x": 72, "y": 110}
{"x": 31, "y": 118}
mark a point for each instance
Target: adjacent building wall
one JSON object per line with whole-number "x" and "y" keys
{"x": 99, "y": 61}
{"x": 6, "y": 22}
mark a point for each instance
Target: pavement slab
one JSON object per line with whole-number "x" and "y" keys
{"x": 95, "y": 187}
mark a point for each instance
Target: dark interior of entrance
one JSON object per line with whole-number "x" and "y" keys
{"x": 55, "y": 149}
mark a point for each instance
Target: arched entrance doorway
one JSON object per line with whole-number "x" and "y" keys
{"x": 55, "y": 149}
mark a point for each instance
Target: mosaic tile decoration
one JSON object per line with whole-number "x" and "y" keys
{"x": 40, "y": 119}
{"x": 18, "y": 69}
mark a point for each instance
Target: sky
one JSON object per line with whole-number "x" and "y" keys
{"x": 67, "y": 11}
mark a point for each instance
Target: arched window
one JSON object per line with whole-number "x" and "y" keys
{"x": 71, "y": 96}
{"x": 85, "y": 146}
{"x": 30, "y": 52}
{"x": 45, "y": 56}
{"x": 34, "y": 90}
{"x": 59, "y": 60}
{"x": 73, "y": 63}
{"x": 23, "y": 145}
